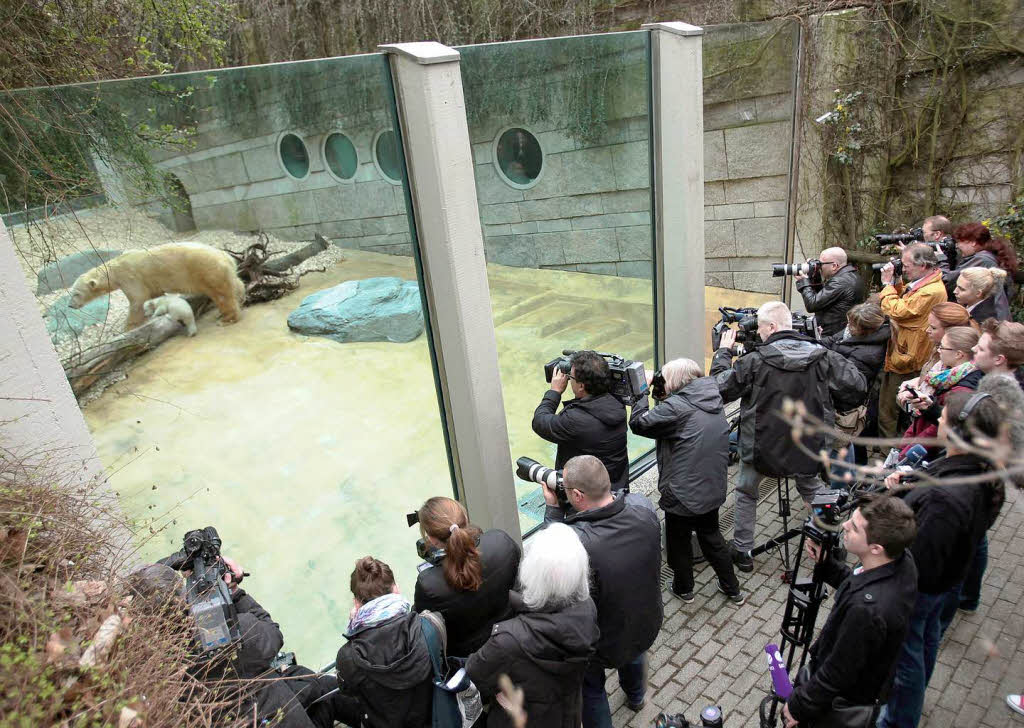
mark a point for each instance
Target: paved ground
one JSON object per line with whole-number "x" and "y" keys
{"x": 710, "y": 652}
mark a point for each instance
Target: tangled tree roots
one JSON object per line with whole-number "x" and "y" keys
{"x": 266, "y": 279}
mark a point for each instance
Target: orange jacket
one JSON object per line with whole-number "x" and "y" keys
{"x": 909, "y": 345}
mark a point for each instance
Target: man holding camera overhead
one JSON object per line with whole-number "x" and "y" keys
{"x": 594, "y": 423}
{"x": 907, "y": 306}
{"x": 786, "y": 365}
{"x": 842, "y": 290}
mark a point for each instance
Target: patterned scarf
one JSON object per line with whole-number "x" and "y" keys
{"x": 376, "y": 611}
{"x": 948, "y": 378}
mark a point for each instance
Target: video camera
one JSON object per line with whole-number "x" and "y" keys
{"x": 529, "y": 469}
{"x": 746, "y": 329}
{"x": 710, "y": 717}
{"x": 626, "y": 379}
{"x": 811, "y": 269}
{"x": 207, "y": 594}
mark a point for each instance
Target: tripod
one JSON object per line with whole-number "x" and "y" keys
{"x": 782, "y": 494}
{"x": 802, "y": 605}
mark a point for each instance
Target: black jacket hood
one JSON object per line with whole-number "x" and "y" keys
{"x": 604, "y": 407}
{"x": 561, "y": 641}
{"x": 393, "y": 653}
{"x": 791, "y": 351}
{"x": 703, "y": 394}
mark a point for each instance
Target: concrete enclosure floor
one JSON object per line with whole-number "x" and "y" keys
{"x": 306, "y": 453}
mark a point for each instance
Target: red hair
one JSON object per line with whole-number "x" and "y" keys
{"x": 975, "y": 232}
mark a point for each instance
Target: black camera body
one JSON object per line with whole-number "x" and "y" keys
{"x": 806, "y": 324}
{"x": 897, "y": 266}
{"x": 811, "y": 269}
{"x": 529, "y": 469}
{"x": 946, "y": 250}
{"x": 208, "y": 597}
{"x": 626, "y": 379}
{"x": 746, "y": 326}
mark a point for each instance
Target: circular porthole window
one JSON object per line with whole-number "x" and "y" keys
{"x": 340, "y": 156}
{"x": 294, "y": 155}
{"x": 385, "y": 156}
{"x": 518, "y": 157}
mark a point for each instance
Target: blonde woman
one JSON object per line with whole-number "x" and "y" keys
{"x": 976, "y": 289}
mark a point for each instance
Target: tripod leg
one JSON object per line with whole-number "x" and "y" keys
{"x": 782, "y": 485}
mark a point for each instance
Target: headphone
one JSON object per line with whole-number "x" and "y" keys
{"x": 960, "y": 426}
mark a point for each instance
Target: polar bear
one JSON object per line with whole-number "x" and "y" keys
{"x": 174, "y": 306}
{"x": 150, "y": 273}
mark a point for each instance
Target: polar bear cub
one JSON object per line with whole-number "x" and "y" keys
{"x": 174, "y": 306}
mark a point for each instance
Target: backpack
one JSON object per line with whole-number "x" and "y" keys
{"x": 457, "y": 702}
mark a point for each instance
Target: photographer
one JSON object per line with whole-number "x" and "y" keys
{"x": 787, "y": 365}
{"x": 469, "y": 574}
{"x": 594, "y": 423}
{"x": 622, "y": 536}
{"x": 907, "y": 307}
{"x": 842, "y": 289}
{"x": 951, "y": 521}
{"x": 243, "y": 671}
{"x": 978, "y": 249}
{"x": 853, "y": 656}
{"x": 692, "y": 437}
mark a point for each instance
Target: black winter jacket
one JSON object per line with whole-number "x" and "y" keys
{"x": 985, "y": 309}
{"x": 693, "y": 446}
{"x": 469, "y": 616}
{"x": 545, "y": 653}
{"x": 830, "y": 303}
{"x": 866, "y": 352}
{"x": 951, "y": 519}
{"x": 388, "y": 668}
{"x": 623, "y": 540}
{"x": 788, "y": 365}
{"x": 591, "y": 426}
{"x": 862, "y": 637}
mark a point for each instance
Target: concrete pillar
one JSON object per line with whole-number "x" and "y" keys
{"x": 677, "y": 113}
{"x": 39, "y": 416}
{"x": 435, "y": 137}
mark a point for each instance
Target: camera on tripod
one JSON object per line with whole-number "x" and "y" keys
{"x": 530, "y": 469}
{"x": 208, "y": 597}
{"x": 626, "y": 379}
{"x": 811, "y": 269}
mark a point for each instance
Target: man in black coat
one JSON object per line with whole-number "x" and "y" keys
{"x": 594, "y": 423}
{"x": 852, "y": 658}
{"x": 622, "y": 536}
{"x": 842, "y": 290}
{"x": 787, "y": 365}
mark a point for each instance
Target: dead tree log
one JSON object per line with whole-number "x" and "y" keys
{"x": 87, "y": 366}
{"x": 266, "y": 279}
{"x": 282, "y": 264}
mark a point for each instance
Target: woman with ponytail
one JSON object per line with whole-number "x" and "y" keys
{"x": 468, "y": 574}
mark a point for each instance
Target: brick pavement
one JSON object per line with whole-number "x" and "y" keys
{"x": 710, "y": 652}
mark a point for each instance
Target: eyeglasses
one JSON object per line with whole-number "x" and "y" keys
{"x": 570, "y": 376}
{"x": 947, "y": 348}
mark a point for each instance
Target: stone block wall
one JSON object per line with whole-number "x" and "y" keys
{"x": 748, "y": 128}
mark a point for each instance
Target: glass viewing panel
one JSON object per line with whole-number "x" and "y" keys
{"x": 749, "y": 76}
{"x": 560, "y": 144}
{"x": 280, "y": 430}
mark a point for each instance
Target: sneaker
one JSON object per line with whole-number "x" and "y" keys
{"x": 1016, "y": 702}
{"x": 742, "y": 561}
{"x": 636, "y": 707}
{"x": 738, "y": 598}
{"x": 687, "y": 597}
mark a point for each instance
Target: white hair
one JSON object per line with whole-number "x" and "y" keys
{"x": 776, "y": 312}
{"x": 555, "y": 571}
{"x": 680, "y": 372}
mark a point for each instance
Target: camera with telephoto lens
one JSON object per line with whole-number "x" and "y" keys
{"x": 914, "y": 236}
{"x": 746, "y": 325}
{"x": 529, "y": 469}
{"x": 710, "y": 717}
{"x": 207, "y": 594}
{"x": 897, "y": 266}
{"x": 626, "y": 379}
{"x": 811, "y": 269}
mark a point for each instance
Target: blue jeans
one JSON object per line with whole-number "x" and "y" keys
{"x": 632, "y": 680}
{"x": 915, "y": 664}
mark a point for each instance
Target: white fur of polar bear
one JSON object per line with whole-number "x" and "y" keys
{"x": 174, "y": 306}
{"x": 150, "y": 273}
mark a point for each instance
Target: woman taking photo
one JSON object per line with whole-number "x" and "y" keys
{"x": 469, "y": 577}
{"x": 976, "y": 290}
{"x": 545, "y": 648}
{"x": 692, "y": 437}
